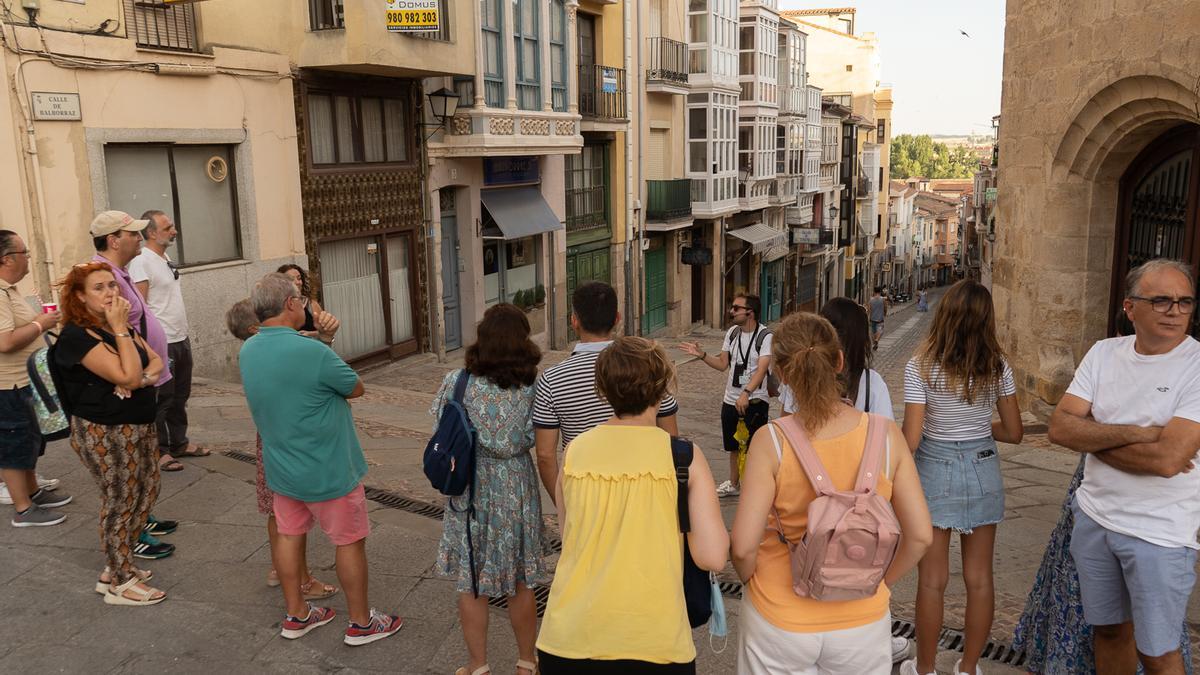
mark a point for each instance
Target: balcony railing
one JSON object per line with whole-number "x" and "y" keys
{"x": 668, "y": 61}
{"x": 668, "y": 199}
{"x": 157, "y": 25}
{"x": 602, "y": 92}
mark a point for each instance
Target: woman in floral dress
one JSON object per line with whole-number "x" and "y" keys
{"x": 506, "y": 522}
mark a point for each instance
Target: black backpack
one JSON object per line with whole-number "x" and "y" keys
{"x": 697, "y": 591}
{"x": 449, "y": 460}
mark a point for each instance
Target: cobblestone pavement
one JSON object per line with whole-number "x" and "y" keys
{"x": 221, "y": 616}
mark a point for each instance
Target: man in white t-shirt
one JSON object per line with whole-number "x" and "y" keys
{"x": 1134, "y": 409}
{"x": 747, "y": 348}
{"x": 156, "y": 278}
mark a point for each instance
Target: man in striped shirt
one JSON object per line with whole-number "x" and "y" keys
{"x": 567, "y": 403}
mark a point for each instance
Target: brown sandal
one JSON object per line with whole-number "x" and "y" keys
{"x": 314, "y": 589}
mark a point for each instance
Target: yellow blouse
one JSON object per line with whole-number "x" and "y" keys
{"x": 617, "y": 592}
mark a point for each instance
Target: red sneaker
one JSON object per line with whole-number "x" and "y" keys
{"x": 380, "y": 626}
{"x": 293, "y": 628}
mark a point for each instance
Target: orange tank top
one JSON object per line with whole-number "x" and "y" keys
{"x": 770, "y": 589}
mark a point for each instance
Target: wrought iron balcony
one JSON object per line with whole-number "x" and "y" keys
{"x": 668, "y": 199}
{"x": 602, "y": 92}
{"x": 667, "y": 69}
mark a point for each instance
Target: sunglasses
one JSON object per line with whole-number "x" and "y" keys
{"x": 737, "y": 307}
{"x": 174, "y": 269}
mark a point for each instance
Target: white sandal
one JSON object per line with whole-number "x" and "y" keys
{"x": 102, "y": 586}
{"x": 522, "y": 664}
{"x": 481, "y": 670}
{"x": 116, "y": 596}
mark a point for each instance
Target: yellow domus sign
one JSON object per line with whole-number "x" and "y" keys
{"x": 413, "y": 16}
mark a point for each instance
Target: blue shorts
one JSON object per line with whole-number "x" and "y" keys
{"x": 962, "y": 483}
{"x": 21, "y": 440}
{"x": 1123, "y": 578}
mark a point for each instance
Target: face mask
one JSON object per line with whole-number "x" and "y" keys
{"x": 717, "y": 627}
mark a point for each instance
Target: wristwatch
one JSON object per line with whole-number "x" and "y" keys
{"x": 330, "y": 340}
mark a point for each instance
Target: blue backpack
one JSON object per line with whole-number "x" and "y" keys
{"x": 450, "y": 454}
{"x": 450, "y": 461}
{"x": 54, "y": 419}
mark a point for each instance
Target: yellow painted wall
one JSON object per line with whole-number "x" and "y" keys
{"x": 610, "y": 51}
{"x": 364, "y": 45}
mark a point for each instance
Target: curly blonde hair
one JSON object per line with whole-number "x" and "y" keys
{"x": 808, "y": 358}
{"x": 633, "y": 374}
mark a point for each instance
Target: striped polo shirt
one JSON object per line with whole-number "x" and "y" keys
{"x": 567, "y": 399}
{"x": 947, "y": 416}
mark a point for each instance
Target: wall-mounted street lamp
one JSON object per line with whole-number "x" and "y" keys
{"x": 443, "y": 103}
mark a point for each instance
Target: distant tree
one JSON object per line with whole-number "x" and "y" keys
{"x": 921, "y": 156}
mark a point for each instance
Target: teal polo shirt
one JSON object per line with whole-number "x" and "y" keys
{"x": 297, "y": 389}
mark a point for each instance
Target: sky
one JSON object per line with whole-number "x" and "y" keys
{"x": 943, "y": 82}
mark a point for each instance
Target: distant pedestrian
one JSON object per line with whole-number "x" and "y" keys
{"x": 951, "y": 387}
{"x": 507, "y": 534}
{"x": 746, "y": 353}
{"x": 861, "y": 384}
{"x": 922, "y": 301}
{"x": 117, "y": 238}
{"x": 312, "y": 308}
{"x": 242, "y": 324}
{"x": 21, "y": 442}
{"x": 1133, "y": 410}
{"x": 313, "y": 460}
{"x": 108, "y": 373}
{"x": 781, "y": 632}
{"x": 617, "y": 603}
{"x": 567, "y": 403}
{"x": 156, "y": 278}
{"x": 877, "y": 308}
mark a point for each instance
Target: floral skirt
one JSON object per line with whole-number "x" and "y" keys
{"x": 1056, "y": 639}
{"x": 506, "y": 529}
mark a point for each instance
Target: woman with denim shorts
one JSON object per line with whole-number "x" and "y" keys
{"x": 952, "y": 384}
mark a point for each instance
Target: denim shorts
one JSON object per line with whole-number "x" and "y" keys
{"x": 962, "y": 483}
{"x": 20, "y": 437}
{"x": 1123, "y": 578}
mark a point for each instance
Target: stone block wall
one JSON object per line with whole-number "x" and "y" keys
{"x": 1087, "y": 85}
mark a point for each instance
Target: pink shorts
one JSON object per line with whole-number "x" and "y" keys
{"x": 344, "y": 519}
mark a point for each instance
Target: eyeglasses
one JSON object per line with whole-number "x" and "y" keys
{"x": 734, "y": 308}
{"x": 174, "y": 269}
{"x": 24, "y": 253}
{"x": 1162, "y": 304}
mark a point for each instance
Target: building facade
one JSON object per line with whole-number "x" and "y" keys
{"x": 1099, "y": 155}
{"x": 136, "y": 106}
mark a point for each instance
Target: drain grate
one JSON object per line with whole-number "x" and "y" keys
{"x": 950, "y": 639}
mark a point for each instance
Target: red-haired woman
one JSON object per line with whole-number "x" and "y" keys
{"x": 108, "y": 376}
{"x": 506, "y": 527}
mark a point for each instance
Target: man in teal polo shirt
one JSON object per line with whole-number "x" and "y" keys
{"x": 298, "y": 391}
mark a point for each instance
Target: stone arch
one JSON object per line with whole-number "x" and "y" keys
{"x": 1123, "y": 116}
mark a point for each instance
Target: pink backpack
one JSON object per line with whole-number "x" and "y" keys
{"x": 852, "y": 536}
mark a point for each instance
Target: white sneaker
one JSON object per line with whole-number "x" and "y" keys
{"x": 960, "y": 671}
{"x": 728, "y": 489}
{"x": 909, "y": 667}
{"x": 47, "y": 484}
{"x": 901, "y": 649}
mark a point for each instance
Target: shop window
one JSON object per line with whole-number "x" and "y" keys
{"x": 194, "y": 184}
{"x": 357, "y": 130}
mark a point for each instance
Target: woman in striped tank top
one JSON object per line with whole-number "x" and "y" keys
{"x": 951, "y": 386}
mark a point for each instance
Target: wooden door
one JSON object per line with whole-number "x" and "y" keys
{"x": 1159, "y": 213}
{"x": 655, "y": 316}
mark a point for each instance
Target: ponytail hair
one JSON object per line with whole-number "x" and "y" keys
{"x": 808, "y": 358}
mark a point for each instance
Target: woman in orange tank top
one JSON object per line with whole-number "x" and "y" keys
{"x": 781, "y": 632}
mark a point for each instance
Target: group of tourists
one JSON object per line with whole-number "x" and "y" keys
{"x": 637, "y": 506}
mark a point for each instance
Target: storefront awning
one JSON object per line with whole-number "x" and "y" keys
{"x": 520, "y": 212}
{"x": 775, "y": 253}
{"x": 760, "y": 237}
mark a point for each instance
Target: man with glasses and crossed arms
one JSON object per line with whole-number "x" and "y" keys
{"x": 156, "y": 278}
{"x": 747, "y": 348}
{"x": 1134, "y": 410}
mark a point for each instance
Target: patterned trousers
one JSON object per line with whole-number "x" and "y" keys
{"x": 124, "y": 461}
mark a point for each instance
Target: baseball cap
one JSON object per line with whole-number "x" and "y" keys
{"x": 109, "y": 222}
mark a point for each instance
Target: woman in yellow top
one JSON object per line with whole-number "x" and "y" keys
{"x": 616, "y": 604}
{"x": 782, "y": 632}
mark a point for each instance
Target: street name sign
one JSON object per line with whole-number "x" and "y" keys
{"x": 55, "y": 106}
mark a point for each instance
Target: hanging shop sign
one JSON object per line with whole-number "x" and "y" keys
{"x": 55, "y": 106}
{"x": 413, "y": 16}
{"x": 806, "y": 235}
